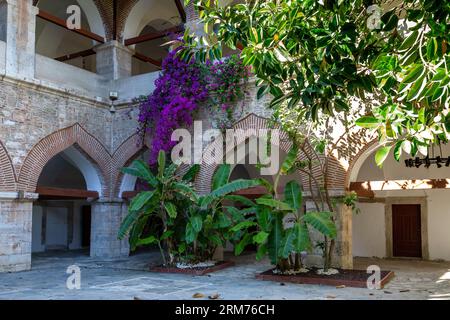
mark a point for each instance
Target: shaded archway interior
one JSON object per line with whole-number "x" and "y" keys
{"x": 61, "y": 217}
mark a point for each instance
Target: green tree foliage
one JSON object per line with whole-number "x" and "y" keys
{"x": 314, "y": 57}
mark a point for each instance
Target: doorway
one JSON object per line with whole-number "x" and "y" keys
{"x": 406, "y": 230}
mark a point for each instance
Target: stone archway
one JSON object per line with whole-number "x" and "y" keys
{"x": 252, "y": 122}
{"x": 144, "y": 11}
{"x": 57, "y": 142}
{"x": 123, "y": 156}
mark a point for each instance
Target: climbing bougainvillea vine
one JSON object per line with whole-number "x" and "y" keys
{"x": 181, "y": 89}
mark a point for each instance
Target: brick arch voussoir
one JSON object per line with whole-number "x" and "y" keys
{"x": 57, "y": 142}
{"x": 128, "y": 151}
{"x": 251, "y": 121}
{"x": 7, "y": 172}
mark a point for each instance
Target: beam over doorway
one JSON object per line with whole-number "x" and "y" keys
{"x": 66, "y": 193}
{"x": 144, "y": 58}
{"x": 63, "y": 24}
{"x": 153, "y": 35}
{"x": 79, "y": 54}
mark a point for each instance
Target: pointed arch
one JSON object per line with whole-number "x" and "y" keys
{"x": 129, "y": 150}
{"x": 7, "y": 173}
{"x": 57, "y": 142}
{"x": 251, "y": 121}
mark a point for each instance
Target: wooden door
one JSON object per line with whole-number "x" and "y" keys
{"x": 406, "y": 230}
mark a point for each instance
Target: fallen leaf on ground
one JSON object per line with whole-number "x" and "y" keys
{"x": 137, "y": 298}
{"x": 331, "y": 297}
{"x": 387, "y": 292}
{"x": 198, "y": 295}
{"x": 282, "y": 284}
{"x": 340, "y": 287}
{"x": 404, "y": 290}
{"x": 214, "y": 296}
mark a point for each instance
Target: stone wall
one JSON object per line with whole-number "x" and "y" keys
{"x": 15, "y": 235}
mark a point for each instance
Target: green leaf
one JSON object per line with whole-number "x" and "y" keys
{"x": 127, "y": 223}
{"x": 398, "y": 150}
{"x": 191, "y": 235}
{"x": 275, "y": 238}
{"x": 221, "y": 176}
{"x": 241, "y": 199}
{"x": 322, "y": 222}
{"x": 261, "y": 252}
{"x": 246, "y": 240}
{"x": 263, "y": 216}
{"x": 293, "y": 194}
{"x": 262, "y": 91}
{"x": 136, "y": 231}
{"x": 243, "y": 225}
{"x": 228, "y": 188}
{"x": 414, "y": 74}
{"x": 146, "y": 241}
{"x": 432, "y": 47}
{"x": 288, "y": 163}
{"x": 302, "y": 239}
{"x": 215, "y": 239}
{"x": 190, "y": 175}
{"x": 275, "y": 204}
{"x": 223, "y": 221}
{"x": 161, "y": 163}
{"x": 171, "y": 209}
{"x": 140, "y": 200}
{"x": 367, "y": 122}
{"x": 381, "y": 155}
{"x": 260, "y": 237}
{"x": 417, "y": 89}
{"x": 185, "y": 190}
{"x": 287, "y": 244}
{"x": 166, "y": 235}
{"x": 409, "y": 41}
{"x": 197, "y": 223}
{"x": 141, "y": 169}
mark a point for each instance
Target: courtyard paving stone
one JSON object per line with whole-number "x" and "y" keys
{"x": 128, "y": 279}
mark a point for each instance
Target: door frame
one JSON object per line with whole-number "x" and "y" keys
{"x": 422, "y": 201}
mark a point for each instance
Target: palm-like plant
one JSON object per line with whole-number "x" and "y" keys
{"x": 168, "y": 191}
{"x": 192, "y": 227}
{"x": 211, "y": 221}
{"x": 282, "y": 226}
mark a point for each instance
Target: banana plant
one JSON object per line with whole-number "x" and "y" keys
{"x": 167, "y": 195}
{"x": 283, "y": 229}
{"x": 211, "y": 220}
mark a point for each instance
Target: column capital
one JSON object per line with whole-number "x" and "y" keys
{"x": 18, "y": 196}
{"x": 114, "y": 44}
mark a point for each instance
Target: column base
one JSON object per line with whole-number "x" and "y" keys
{"x": 15, "y": 235}
{"x": 106, "y": 220}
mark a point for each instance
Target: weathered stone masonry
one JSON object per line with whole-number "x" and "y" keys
{"x": 41, "y": 117}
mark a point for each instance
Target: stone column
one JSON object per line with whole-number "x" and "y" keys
{"x": 344, "y": 249}
{"x": 114, "y": 60}
{"x": 15, "y": 232}
{"x": 18, "y": 29}
{"x": 106, "y": 219}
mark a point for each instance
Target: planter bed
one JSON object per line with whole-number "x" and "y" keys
{"x": 200, "y": 271}
{"x": 348, "y": 278}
